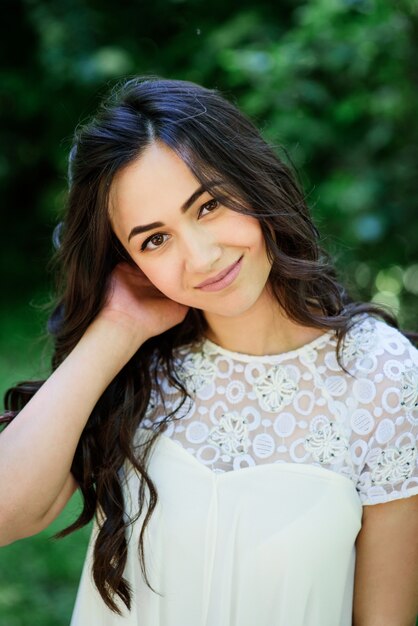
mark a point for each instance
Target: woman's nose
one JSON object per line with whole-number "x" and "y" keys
{"x": 201, "y": 253}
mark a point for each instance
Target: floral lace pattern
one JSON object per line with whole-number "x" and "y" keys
{"x": 196, "y": 371}
{"x": 409, "y": 393}
{"x": 275, "y": 389}
{"x": 327, "y": 444}
{"x": 302, "y": 407}
{"x": 393, "y": 465}
{"x": 231, "y": 435}
{"x": 359, "y": 341}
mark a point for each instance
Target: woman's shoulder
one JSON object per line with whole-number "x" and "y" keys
{"x": 383, "y": 371}
{"x": 383, "y": 410}
{"x": 370, "y": 337}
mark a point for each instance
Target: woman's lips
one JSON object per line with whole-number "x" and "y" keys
{"x": 223, "y": 279}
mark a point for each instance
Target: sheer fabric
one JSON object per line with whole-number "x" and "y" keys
{"x": 301, "y": 407}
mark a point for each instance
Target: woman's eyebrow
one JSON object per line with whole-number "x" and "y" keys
{"x": 137, "y": 230}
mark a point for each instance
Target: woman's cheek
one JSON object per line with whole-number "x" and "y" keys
{"x": 164, "y": 279}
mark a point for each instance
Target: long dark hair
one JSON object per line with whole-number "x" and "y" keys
{"x": 214, "y": 139}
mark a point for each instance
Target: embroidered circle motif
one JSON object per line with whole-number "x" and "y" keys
{"x": 252, "y": 417}
{"x": 263, "y": 445}
{"x": 385, "y": 431}
{"x": 359, "y": 451}
{"x": 367, "y": 364}
{"x": 331, "y": 362}
{"x": 336, "y": 385}
{"x": 362, "y": 422}
{"x": 284, "y": 424}
{"x": 212, "y": 453}
{"x": 364, "y": 390}
{"x": 207, "y": 391}
{"x": 196, "y": 432}
{"x": 235, "y": 391}
{"x": 393, "y": 369}
{"x": 304, "y": 402}
{"x": 390, "y": 400}
{"x": 275, "y": 390}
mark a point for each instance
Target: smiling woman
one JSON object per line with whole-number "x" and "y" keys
{"x": 193, "y": 251}
{"x": 244, "y": 435}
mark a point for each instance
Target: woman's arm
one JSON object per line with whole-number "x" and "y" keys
{"x": 386, "y": 578}
{"x": 38, "y": 446}
{"x": 70, "y": 486}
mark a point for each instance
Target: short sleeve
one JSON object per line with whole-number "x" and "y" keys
{"x": 386, "y": 422}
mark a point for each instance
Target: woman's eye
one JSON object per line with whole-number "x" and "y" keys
{"x": 155, "y": 240}
{"x": 158, "y": 239}
{"x": 209, "y": 206}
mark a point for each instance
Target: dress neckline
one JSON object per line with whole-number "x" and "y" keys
{"x": 211, "y": 348}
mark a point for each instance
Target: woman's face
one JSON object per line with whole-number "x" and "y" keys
{"x": 180, "y": 237}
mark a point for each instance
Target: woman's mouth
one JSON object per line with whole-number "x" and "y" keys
{"x": 223, "y": 279}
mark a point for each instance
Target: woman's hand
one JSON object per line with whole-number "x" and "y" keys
{"x": 133, "y": 301}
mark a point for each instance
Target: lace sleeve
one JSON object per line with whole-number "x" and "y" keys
{"x": 390, "y": 461}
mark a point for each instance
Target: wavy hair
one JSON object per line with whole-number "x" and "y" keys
{"x": 215, "y": 140}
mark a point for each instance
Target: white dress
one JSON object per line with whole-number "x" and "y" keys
{"x": 261, "y": 481}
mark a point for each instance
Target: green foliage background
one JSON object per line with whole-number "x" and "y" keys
{"x": 331, "y": 83}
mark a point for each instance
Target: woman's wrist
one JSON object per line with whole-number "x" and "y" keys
{"x": 110, "y": 343}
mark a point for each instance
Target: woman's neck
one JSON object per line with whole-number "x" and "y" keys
{"x": 263, "y": 329}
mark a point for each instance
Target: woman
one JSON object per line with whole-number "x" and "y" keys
{"x": 242, "y": 432}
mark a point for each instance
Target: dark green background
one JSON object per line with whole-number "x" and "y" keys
{"x": 332, "y": 83}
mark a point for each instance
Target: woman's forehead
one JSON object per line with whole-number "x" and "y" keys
{"x": 152, "y": 186}
{"x": 157, "y": 171}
